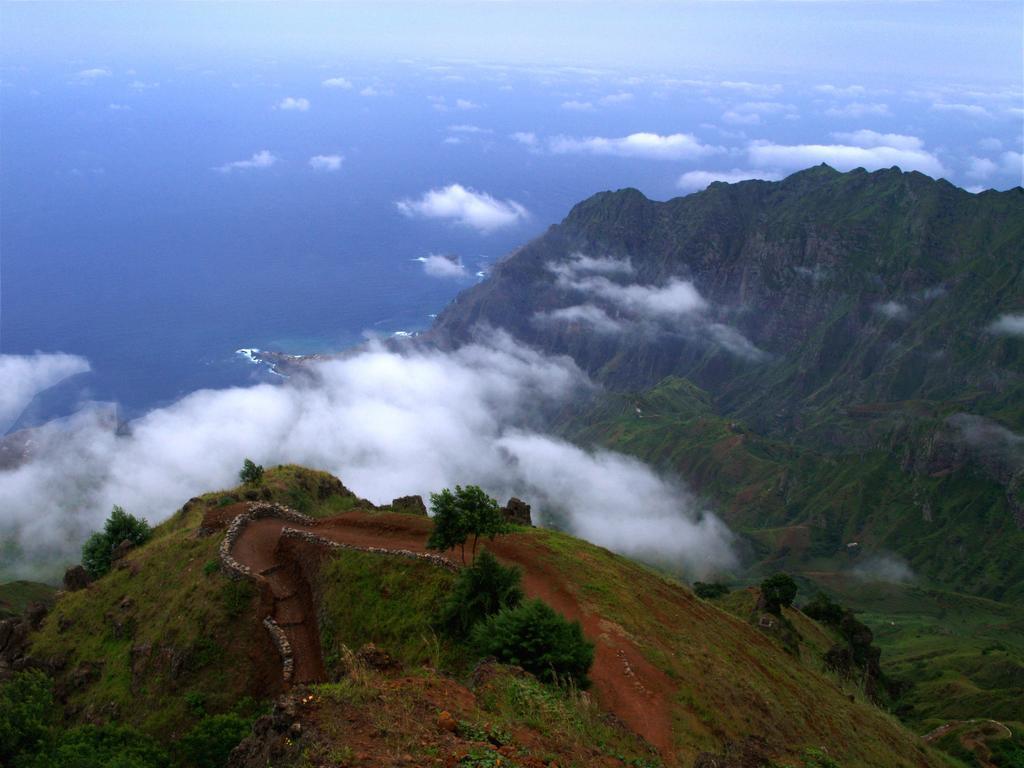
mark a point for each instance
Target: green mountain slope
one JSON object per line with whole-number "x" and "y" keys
{"x": 876, "y": 404}
{"x": 166, "y": 640}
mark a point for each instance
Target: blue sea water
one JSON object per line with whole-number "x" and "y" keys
{"x": 119, "y": 241}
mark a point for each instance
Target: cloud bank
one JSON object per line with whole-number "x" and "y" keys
{"x": 329, "y": 163}
{"x": 293, "y": 104}
{"x": 1008, "y": 325}
{"x": 464, "y": 206}
{"x": 388, "y": 425}
{"x": 25, "y": 376}
{"x": 845, "y": 157}
{"x": 693, "y": 181}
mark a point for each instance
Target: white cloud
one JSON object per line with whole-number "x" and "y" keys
{"x": 368, "y": 91}
{"x": 967, "y": 110}
{"x": 867, "y": 138}
{"x": 453, "y": 140}
{"x": 328, "y": 163}
{"x": 525, "y": 137}
{"x": 593, "y": 317}
{"x": 262, "y": 159}
{"x": 293, "y": 104}
{"x": 438, "y": 265}
{"x": 337, "y": 82}
{"x": 835, "y": 90}
{"x": 113, "y": 107}
{"x": 857, "y": 109}
{"x": 675, "y": 298}
{"x": 843, "y": 157}
{"x": 465, "y": 206}
{"x": 466, "y": 104}
{"x": 981, "y": 168}
{"x": 577, "y": 106}
{"x": 732, "y": 117}
{"x": 695, "y": 180}
{"x": 1008, "y": 325}
{"x": 387, "y": 425}
{"x": 467, "y": 128}
{"x": 141, "y": 85}
{"x": 25, "y": 376}
{"x": 991, "y": 144}
{"x": 677, "y": 146}
{"x": 1013, "y": 162}
{"x": 87, "y": 76}
{"x": 892, "y": 310}
{"x": 615, "y": 98}
{"x": 580, "y": 263}
{"x": 758, "y": 89}
{"x": 887, "y": 568}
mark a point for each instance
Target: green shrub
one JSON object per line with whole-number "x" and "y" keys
{"x": 98, "y": 550}
{"x": 533, "y": 636}
{"x": 251, "y": 472}
{"x": 481, "y": 590}
{"x": 709, "y": 591}
{"x": 26, "y": 713}
{"x": 105, "y": 746}
{"x": 778, "y": 591}
{"x": 211, "y": 741}
{"x": 825, "y": 610}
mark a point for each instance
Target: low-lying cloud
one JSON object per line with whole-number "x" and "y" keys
{"x": 465, "y": 206}
{"x": 692, "y": 181}
{"x": 439, "y": 265}
{"x": 1008, "y": 325}
{"x": 24, "y": 376}
{"x": 884, "y": 567}
{"x": 845, "y": 157}
{"x": 387, "y": 424}
{"x": 675, "y": 306}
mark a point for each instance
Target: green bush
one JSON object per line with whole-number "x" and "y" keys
{"x": 709, "y": 591}
{"x": 825, "y": 610}
{"x": 533, "y": 636}
{"x": 482, "y": 589}
{"x": 105, "y": 746}
{"x": 98, "y": 550}
{"x": 209, "y": 744}
{"x": 26, "y": 713}
{"x": 779, "y": 591}
{"x": 251, "y": 472}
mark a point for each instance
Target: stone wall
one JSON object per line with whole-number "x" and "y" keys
{"x": 312, "y": 538}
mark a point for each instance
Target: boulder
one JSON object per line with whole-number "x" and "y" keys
{"x": 121, "y": 550}
{"x": 409, "y": 505}
{"x": 377, "y": 658}
{"x": 76, "y": 578}
{"x": 517, "y": 512}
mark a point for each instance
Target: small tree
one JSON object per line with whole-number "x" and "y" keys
{"x": 209, "y": 744}
{"x": 467, "y": 512}
{"x": 98, "y": 550}
{"x": 251, "y": 472}
{"x": 480, "y": 591}
{"x": 27, "y": 712}
{"x": 536, "y": 638}
{"x": 709, "y": 590}
{"x": 778, "y": 592}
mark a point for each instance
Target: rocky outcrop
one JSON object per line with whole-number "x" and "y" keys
{"x": 14, "y": 640}
{"x": 76, "y": 578}
{"x": 517, "y": 512}
{"x": 409, "y": 505}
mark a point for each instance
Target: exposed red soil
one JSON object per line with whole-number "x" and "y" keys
{"x": 626, "y": 684}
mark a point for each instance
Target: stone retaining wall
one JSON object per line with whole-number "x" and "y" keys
{"x": 283, "y": 647}
{"x": 312, "y": 538}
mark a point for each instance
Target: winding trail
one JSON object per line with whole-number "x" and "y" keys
{"x": 626, "y": 684}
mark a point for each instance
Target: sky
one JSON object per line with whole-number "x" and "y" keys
{"x": 179, "y": 182}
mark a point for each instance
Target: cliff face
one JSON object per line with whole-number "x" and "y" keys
{"x": 824, "y": 351}
{"x": 821, "y": 292}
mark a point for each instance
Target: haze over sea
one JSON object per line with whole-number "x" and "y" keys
{"x": 163, "y": 207}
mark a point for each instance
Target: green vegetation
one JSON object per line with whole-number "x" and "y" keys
{"x": 481, "y": 590}
{"x": 779, "y": 591}
{"x": 709, "y": 591}
{"x": 210, "y": 742}
{"x": 27, "y": 714}
{"x": 457, "y": 516}
{"x": 533, "y": 636}
{"x": 98, "y": 550}
{"x": 16, "y": 596}
{"x": 251, "y": 473}
{"x": 104, "y": 746}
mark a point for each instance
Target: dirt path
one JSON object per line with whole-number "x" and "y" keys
{"x": 626, "y": 684}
